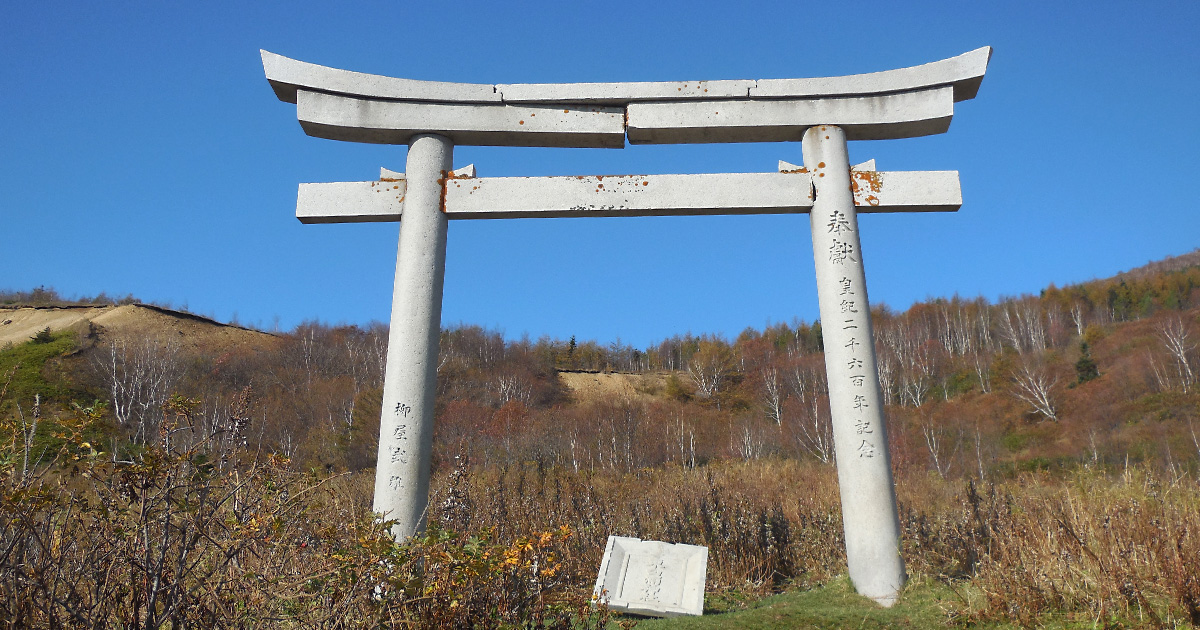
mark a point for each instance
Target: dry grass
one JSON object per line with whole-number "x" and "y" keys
{"x": 1082, "y": 545}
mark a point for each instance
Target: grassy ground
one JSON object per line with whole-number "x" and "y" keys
{"x": 834, "y": 605}
{"x": 925, "y": 604}
{"x": 27, "y": 366}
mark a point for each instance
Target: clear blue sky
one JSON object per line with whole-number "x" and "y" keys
{"x": 143, "y": 152}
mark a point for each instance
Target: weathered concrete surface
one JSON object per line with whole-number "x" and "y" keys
{"x": 901, "y": 115}
{"x": 623, "y": 93}
{"x": 352, "y": 119}
{"x": 406, "y": 423}
{"x": 648, "y": 577}
{"x": 287, "y": 75}
{"x": 358, "y": 107}
{"x": 628, "y": 195}
{"x": 869, "y": 515}
{"x": 786, "y": 192}
{"x": 905, "y": 191}
{"x": 351, "y": 202}
{"x": 963, "y": 73}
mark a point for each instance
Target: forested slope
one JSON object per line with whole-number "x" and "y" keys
{"x": 1102, "y": 372}
{"x": 1045, "y": 448}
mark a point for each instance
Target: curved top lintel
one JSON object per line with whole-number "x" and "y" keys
{"x": 964, "y": 72}
{"x": 286, "y": 75}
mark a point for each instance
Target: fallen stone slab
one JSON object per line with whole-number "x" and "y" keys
{"x": 648, "y": 577}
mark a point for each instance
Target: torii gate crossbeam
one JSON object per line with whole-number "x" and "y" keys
{"x": 431, "y": 117}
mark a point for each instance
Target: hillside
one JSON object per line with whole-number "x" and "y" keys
{"x": 19, "y": 324}
{"x": 966, "y": 382}
{"x": 1045, "y": 451}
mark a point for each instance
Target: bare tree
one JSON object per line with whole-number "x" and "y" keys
{"x": 813, "y": 429}
{"x": 1176, "y": 338}
{"x": 885, "y": 365}
{"x": 983, "y": 371}
{"x": 139, "y": 373}
{"x": 710, "y": 367}
{"x": 917, "y": 354}
{"x": 1021, "y": 325}
{"x": 773, "y": 395}
{"x": 943, "y": 445}
{"x": 956, "y": 328}
{"x": 749, "y": 444}
{"x": 1162, "y": 374}
{"x": 1077, "y": 317}
{"x": 687, "y": 445}
{"x": 816, "y": 430}
{"x": 513, "y": 386}
{"x": 1033, "y": 386}
{"x": 979, "y": 458}
{"x": 1057, "y": 333}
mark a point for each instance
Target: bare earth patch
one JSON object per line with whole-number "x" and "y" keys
{"x": 601, "y": 386}
{"x": 20, "y": 324}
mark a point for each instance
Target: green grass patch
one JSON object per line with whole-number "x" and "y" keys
{"x": 924, "y": 604}
{"x": 36, "y": 368}
{"x": 834, "y": 605}
{"x": 37, "y": 371}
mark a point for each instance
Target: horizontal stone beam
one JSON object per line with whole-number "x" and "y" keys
{"x": 630, "y": 196}
{"x": 350, "y": 202}
{"x": 963, "y": 73}
{"x": 339, "y": 117}
{"x": 287, "y": 76}
{"x": 359, "y": 202}
{"x": 905, "y": 191}
{"x": 357, "y": 107}
{"x": 621, "y": 94}
{"x": 901, "y": 115}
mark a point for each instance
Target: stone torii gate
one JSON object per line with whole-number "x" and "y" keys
{"x": 824, "y": 113}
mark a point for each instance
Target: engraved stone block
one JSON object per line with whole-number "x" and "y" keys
{"x": 648, "y": 577}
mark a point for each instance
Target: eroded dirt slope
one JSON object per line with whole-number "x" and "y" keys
{"x": 20, "y": 324}
{"x": 613, "y": 386}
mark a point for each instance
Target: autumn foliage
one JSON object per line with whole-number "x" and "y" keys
{"x": 1047, "y": 450}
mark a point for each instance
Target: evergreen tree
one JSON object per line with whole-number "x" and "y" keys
{"x": 1085, "y": 367}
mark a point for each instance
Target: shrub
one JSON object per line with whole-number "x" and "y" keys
{"x": 43, "y": 336}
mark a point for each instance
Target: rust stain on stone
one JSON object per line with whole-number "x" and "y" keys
{"x": 441, "y": 182}
{"x": 866, "y": 186}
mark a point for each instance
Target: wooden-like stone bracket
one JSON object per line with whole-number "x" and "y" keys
{"x": 387, "y": 175}
{"x": 788, "y": 167}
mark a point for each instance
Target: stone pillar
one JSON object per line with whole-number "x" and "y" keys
{"x": 409, "y": 384}
{"x": 869, "y": 515}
